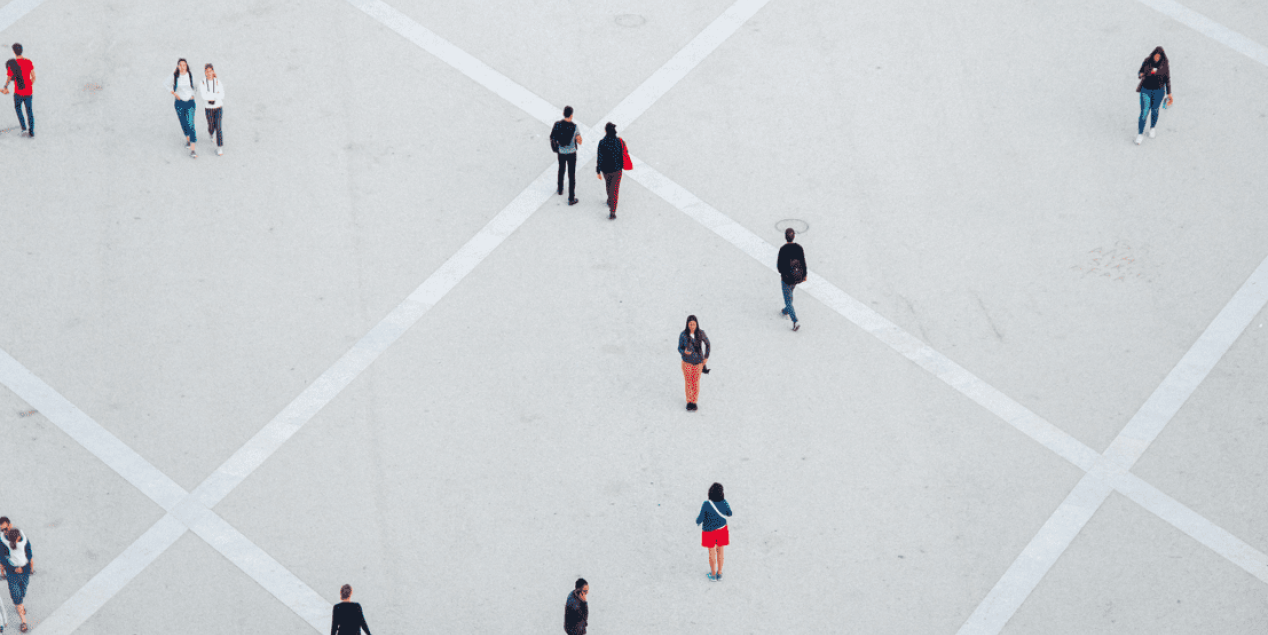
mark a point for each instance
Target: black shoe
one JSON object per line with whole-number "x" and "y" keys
{"x": 796, "y": 325}
{"x": 691, "y": 405}
{"x": 573, "y": 201}
{"x": 559, "y": 192}
{"x": 612, "y": 216}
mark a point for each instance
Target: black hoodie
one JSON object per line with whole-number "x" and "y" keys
{"x": 1155, "y": 75}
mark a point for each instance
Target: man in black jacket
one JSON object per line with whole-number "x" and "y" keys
{"x": 565, "y": 139}
{"x": 576, "y": 612}
{"x": 610, "y": 163}
{"x": 792, "y": 270}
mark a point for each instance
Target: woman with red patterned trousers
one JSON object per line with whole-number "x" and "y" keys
{"x": 694, "y": 347}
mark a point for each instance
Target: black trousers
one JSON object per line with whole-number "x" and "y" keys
{"x": 213, "y": 125}
{"x": 570, "y": 160}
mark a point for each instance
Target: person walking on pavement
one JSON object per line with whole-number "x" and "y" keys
{"x": 183, "y": 90}
{"x": 576, "y": 610}
{"x": 714, "y": 536}
{"x": 565, "y": 138}
{"x": 1154, "y": 86}
{"x": 347, "y": 618}
{"x": 15, "y": 555}
{"x": 694, "y": 347}
{"x": 792, "y": 271}
{"x": 610, "y": 164}
{"x": 213, "y": 94}
{"x": 4, "y": 529}
{"x": 21, "y": 73}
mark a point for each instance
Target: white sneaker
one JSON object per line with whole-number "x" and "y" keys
{"x": 1151, "y": 133}
{"x": 1139, "y": 138}
{"x": 220, "y": 152}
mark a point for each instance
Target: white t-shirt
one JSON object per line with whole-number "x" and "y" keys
{"x": 184, "y": 86}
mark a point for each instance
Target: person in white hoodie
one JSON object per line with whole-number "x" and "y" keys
{"x": 15, "y": 555}
{"x": 213, "y": 93}
{"x": 182, "y": 88}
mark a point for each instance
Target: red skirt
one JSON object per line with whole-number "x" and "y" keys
{"x": 717, "y": 537}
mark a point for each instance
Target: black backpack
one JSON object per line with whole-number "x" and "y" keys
{"x": 797, "y": 271}
{"x": 15, "y": 69}
{"x": 558, "y": 138}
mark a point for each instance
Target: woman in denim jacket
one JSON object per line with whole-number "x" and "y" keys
{"x": 694, "y": 347}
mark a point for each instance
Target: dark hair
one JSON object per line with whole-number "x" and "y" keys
{"x": 345, "y": 591}
{"x": 205, "y": 66}
{"x": 611, "y": 128}
{"x": 686, "y": 327}
{"x": 17, "y": 48}
{"x": 4, "y": 520}
{"x": 789, "y": 234}
{"x": 13, "y": 536}
{"x": 1164, "y": 67}
{"x": 581, "y": 582}
{"x": 715, "y": 493}
{"x": 567, "y": 111}
{"x": 176, "y": 74}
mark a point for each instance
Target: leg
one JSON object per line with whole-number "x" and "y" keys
{"x": 559, "y": 181}
{"x": 720, "y": 548}
{"x": 189, "y": 123}
{"x": 572, "y": 177}
{"x": 686, "y": 380}
{"x": 211, "y": 125}
{"x": 1155, "y": 104}
{"x": 30, "y": 116}
{"x": 220, "y": 131}
{"x": 713, "y": 561}
{"x": 788, "y": 300}
{"x": 693, "y": 386}
{"x": 607, "y": 181}
{"x": 17, "y": 106}
{"x": 616, "y": 190}
{"x": 1144, "y": 108}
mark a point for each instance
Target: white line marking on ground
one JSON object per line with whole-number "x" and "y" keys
{"x": 1021, "y": 578}
{"x": 1210, "y": 28}
{"x": 194, "y": 510}
{"x": 14, "y": 11}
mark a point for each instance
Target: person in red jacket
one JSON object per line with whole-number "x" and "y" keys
{"x": 21, "y": 73}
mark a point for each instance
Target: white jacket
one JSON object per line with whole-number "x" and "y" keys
{"x": 212, "y": 92}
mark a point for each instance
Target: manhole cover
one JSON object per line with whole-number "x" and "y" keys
{"x": 630, "y": 20}
{"x": 798, "y": 225}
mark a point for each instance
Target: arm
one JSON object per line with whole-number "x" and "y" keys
{"x": 334, "y": 620}
{"x": 700, "y": 518}
{"x": 361, "y": 615}
{"x": 682, "y": 344}
{"x": 725, "y": 508}
{"x": 708, "y": 347}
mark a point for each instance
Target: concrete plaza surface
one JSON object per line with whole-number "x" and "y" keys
{"x": 369, "y": 345}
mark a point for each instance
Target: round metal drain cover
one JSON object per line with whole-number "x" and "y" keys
{"x": 630, "y": 20}
{"x": 797, "y": 225}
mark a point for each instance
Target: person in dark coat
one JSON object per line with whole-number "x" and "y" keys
{"x": 565, "y": 138}
{"x": 610, "y": 163}
{"x": 792, "y": 271}
{"x": 694, "y": 347}
{"x": 576, "y": 611}
{"x": 347, "y": 618}
{"x": 1154, "y": 86}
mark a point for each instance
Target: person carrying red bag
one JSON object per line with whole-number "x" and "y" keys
{"x": 613, "y": 158}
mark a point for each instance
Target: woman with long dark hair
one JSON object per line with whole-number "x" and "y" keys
{"x": 1154, "y": 86}
{"x": 694, "y": 347}
{"x": 15, "y": 555}
{"x": 715, "y": 535}
{"x": 182, "y": 88}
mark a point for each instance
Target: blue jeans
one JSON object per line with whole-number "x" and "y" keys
{"x": 18, "y": 100}
{"x": 185, "y": 112}
{"x": 1150, "y": 100}
{"x": 788, "y": 308}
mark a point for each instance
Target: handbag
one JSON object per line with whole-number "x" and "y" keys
{"x": 626, "y": 164}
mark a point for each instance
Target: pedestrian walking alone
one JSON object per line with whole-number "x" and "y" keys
{"x": 792, "y": 271}
{"x": 213, "y": 94}
{"x": 610, "y": 164}
{"x": 565, "y": 138}
{"x": 347, "y": 618}
{"x": 15, "y": 555}
{"x": 576, "y": 609}
{"x": 21, "y": 73}
{"x": 183, "y": 91}
{"x": 1154, "y": 86}
{"x": 714, "y": 535}
{"x": 694, "y": 346}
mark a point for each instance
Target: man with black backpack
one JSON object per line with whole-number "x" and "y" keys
{"x": 792, "y": 271}
{"x": 20, "y": 72}
{"x": 564, "y": 140}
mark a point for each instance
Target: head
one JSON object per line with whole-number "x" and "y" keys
{"x": 182, "y": 66}
{"x": 4, "y": 524}
{"x": 789, "y": 234}
{"x": 581, "y": 588}
{"x": 692, "y": 324}
{"x": 12, "y": 535}
{"x": 716, "y": 494}
{"x": 209, "y": 71}
{"x": 1159, "y": 54}
{"x": 567, "y": 112}
{"x": 345, "y": 592}
{"x": 610, "y": 128}
{"x": 17, "y": 49}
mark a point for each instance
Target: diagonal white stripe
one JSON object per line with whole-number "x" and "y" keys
{"x": 14, "y": 11}
{"x": 1210, "y": 28}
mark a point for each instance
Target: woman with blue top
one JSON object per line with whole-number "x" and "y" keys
{"x": 694, "y": 347}
{"x": 715, "y": 535}
{"x": 182, "y": 88}
{"x": 15, "y": 555}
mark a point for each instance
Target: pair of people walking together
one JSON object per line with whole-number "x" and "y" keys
{"x": 212, "y": 92}
{"x": 17, "y": 560}
{"x": 612, "y": 160}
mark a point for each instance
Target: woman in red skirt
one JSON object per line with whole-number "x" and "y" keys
{"x": 713, "y": 513}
